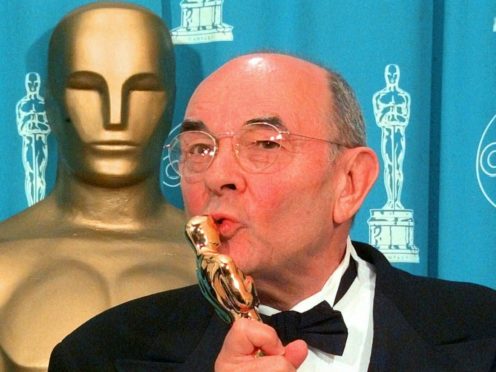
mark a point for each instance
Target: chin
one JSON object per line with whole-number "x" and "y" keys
{"x": 111, "y": 180}
{"x": 241, "y": 251}
{"x": 242, "y": 262}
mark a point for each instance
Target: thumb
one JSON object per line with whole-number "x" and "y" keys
{"x": 296, "y": 352}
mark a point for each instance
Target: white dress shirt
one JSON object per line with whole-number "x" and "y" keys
{"x": 356, "y": 307}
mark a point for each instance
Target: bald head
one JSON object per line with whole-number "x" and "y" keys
{"x": 262, "y": 86}
{"x": 294, "y": 82}
{"x": 273, "y": 66}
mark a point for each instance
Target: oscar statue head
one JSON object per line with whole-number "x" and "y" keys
{"x": 203, "y": 235}
{"x": 110, "y": 92}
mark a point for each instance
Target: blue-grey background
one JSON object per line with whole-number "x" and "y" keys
{"x": 446, "y": 53}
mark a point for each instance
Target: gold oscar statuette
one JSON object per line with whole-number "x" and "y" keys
{"x": 232, "y": 294}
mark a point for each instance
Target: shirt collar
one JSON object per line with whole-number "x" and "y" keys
{"x": 326, "y": 293}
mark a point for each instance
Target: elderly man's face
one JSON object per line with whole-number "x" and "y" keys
{"x": 113, "y": 89}
{"x": 270, "y": 223}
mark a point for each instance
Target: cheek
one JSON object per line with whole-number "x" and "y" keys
{"x": 296, "y": 197}
{"x": 271, "y": 199}
{"x": 194, "y": 199}
{"x": 268, "y": 199}
{"x": 85, "y": 111}
{"x": 144, "y": 114}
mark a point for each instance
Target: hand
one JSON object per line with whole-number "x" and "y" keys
{"x": 246, "y": 337}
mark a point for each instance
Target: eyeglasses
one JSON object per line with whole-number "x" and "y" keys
{"x": 257, "y": 147}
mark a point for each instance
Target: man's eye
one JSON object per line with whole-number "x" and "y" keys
{"x": 199, "y": 149}
{"x": 267, "y": 145}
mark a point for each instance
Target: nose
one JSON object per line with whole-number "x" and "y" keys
{"x": 115, "y": 108}
{"x": 224, "y": 174}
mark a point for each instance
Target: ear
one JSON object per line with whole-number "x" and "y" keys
{"x": 357, "y": 171}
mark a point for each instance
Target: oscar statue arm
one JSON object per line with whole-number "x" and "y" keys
{"x": 240, "y": 287}
{"x": 206, "y": 273}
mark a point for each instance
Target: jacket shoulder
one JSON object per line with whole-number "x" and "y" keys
{"x": 448, "y": 306}
{"x": 439, "y": 309}
{"x": 129, "y": 330}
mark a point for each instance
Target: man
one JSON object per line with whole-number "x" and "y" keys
{"x": 105, "y": 234}
{"x": 273, "y": 148}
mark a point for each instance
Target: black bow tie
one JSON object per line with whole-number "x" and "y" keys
{"x": 321, "y": 327}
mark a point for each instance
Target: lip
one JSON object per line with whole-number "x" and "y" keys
{"x": 116, "y": 146}
{"x": 227, "y": 225}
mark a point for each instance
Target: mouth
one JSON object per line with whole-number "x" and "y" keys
{"x": 114, "y": 146}
{"x": 227, "y": 226}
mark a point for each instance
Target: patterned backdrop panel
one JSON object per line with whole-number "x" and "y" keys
{"x": 424, "y": 73}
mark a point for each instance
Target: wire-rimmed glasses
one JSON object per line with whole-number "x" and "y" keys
{"x": 257, "y": 147}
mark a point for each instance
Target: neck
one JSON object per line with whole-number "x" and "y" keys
{"x": 128, "y": 208}
{"x": 302, "y": 280}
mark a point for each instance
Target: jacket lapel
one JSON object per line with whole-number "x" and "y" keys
{"x": 396, "y": 343}
{"x": 404, "y": 339}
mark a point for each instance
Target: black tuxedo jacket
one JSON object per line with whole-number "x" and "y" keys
{"x": 420, "y": 324}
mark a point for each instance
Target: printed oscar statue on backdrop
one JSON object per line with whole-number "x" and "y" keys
{"x": 105, "y": 234}
{"x": 201, "y": 22}
{"x": 391, "y": 228}
{"x": 33, "y": 127}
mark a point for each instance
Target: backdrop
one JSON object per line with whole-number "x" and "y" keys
{"x": 423, "y": 71}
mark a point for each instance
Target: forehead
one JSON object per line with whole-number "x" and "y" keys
{"x": 264, "y": 85}
{"x": 112, "y": 41}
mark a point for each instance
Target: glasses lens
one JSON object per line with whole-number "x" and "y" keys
{"x": 191, "y": 152}
{"x": 259, "y": 146}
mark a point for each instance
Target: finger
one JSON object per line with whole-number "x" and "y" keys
{"x": 249, "y": 364}
{"x": 296, "y": 352}
{"x": 267, "y": 363}
{"x": 246, "y": 336}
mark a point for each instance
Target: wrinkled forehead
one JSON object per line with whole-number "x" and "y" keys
{"x": 263, "y": 85}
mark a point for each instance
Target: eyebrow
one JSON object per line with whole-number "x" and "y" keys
{"x": 145, "y": 81}
{"x": 85, "y": 80}
{"x": 188, "y": 125}
{"x": 274, "y": 120}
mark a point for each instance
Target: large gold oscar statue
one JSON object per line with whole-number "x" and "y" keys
{"x": 105, "y": 234}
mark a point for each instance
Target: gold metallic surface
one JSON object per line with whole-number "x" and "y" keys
{"x": 231, "y": 292}
{"x": 105, "y": 234}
